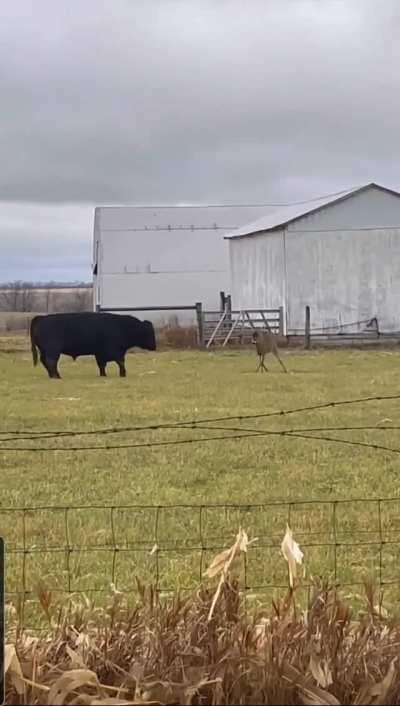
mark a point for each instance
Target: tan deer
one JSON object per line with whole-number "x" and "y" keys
{"x": 265, "y": 342}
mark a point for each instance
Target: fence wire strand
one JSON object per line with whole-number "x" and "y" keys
{"x": 170, "y": 545}
{"x": 199, "y": 424}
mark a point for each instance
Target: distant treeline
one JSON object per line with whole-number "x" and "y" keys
{"x": 21, "y": 296}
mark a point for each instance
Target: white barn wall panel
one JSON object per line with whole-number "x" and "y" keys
{"x": 342, "y": 260}
{"x": 152, "y": 289}
{"x": 372, "y": 208}
{"x": 163, "y": 256}
{"x": 344, "y": 276}
{"x": 258, "y": 271}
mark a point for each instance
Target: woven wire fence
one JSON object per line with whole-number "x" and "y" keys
{"x": 99, "y": 549}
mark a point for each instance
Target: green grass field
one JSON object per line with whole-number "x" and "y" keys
{"x": 87, "y": 548}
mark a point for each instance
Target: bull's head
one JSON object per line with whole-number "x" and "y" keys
{"x": 149, "y": 342}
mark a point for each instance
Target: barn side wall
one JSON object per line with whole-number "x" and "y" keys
{"x": 96, "y": 263}
{"x": 152, "y": 256}
{"x": 257, "y": 267}
{"x": 372, "y": 208}
{"x": 342, "y": 261}
{"x": 163, "y": 289}
{"x": 344, "y": 276}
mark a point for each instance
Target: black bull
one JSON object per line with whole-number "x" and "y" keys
{"x": 106, "y": 336}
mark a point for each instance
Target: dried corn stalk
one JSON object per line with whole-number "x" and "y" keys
{"x": 292, "y": 553}
{"x": 222, "y": 563}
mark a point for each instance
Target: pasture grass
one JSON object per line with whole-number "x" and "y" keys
{"x": 133, "y": 531}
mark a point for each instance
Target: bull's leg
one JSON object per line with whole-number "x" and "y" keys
{"x": 44, "y": 362}
{"x": 51, "y": 365}
{"x": 102, "y": 366}
{"x": 122, "y": 369}
{"x": 49, "y": 362}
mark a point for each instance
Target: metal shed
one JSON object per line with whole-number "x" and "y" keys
{"x": 340, "y": 255}
{"x": 151, "y": 256}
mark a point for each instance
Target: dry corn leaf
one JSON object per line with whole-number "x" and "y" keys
{"x": 318, "y": 697}
{"x": 309, "y": 695}
{"x": 68, "y": 682}
{"x": 223, "y": 562}
{"x": 192, "y": 690}
{"x": 12, "y": 667}
{"x": 163, "y": 692}
{"x": 292, "y": 553}
{"x": 76, "y": 660}
{"x": 114, "y": 701}
{"x": 320, "y": 671}
{"x": 217, "y": 563}
{"x": 381, "y": 690}
{"x": 244, "y": 541}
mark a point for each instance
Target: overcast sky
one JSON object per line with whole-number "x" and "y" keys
{"x": 124, "y": 101}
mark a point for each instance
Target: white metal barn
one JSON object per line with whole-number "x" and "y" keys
{"x": 339, "y": 255}
{"x": 163, "y": 256}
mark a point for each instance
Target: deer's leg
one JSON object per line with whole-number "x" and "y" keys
{"x": 263, "y": 366}
{"x": 276, "y": 354}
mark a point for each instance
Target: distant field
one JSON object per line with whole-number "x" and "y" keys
{"x": 14, "y": 321}
{"x": 169, "y": 386}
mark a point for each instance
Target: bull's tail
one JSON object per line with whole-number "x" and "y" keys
{"x": 33, "y": 343}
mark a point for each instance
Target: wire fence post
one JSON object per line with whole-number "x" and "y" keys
{"x": 199, "y": 315}
{"x": 307, "y": 332}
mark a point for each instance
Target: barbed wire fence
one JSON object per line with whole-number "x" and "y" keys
{"x": 16, "y": 435}
{"x": 171, "y": 545}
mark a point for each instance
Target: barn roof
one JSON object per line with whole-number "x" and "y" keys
{"x": 283, "y": 216}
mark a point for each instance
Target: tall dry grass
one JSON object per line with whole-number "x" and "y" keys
{"x": 173, "y": 335}
{"x": 169, "y": 652}
{"x": 208, "y": 649}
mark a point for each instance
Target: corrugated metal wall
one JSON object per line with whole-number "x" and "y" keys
{"x": 152, "y": 256}
{"x": 344, "y": 262}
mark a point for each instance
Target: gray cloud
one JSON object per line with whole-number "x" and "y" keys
{"x": 43, "y": 242}
{"x": 166, "y": 101}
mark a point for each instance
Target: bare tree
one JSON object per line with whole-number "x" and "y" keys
{"x": 81, "y": 300}
{"x": 17, "y": 296}
{"x": 76, "y": 299}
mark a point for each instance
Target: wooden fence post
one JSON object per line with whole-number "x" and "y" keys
{"x": 307, "y": 332}
{"x": 228, "y": 304}
{"x": 199, "y": 314}
{"x": 281, "y": 329}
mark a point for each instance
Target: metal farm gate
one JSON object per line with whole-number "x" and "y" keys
{"x": 237, "y": 326}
